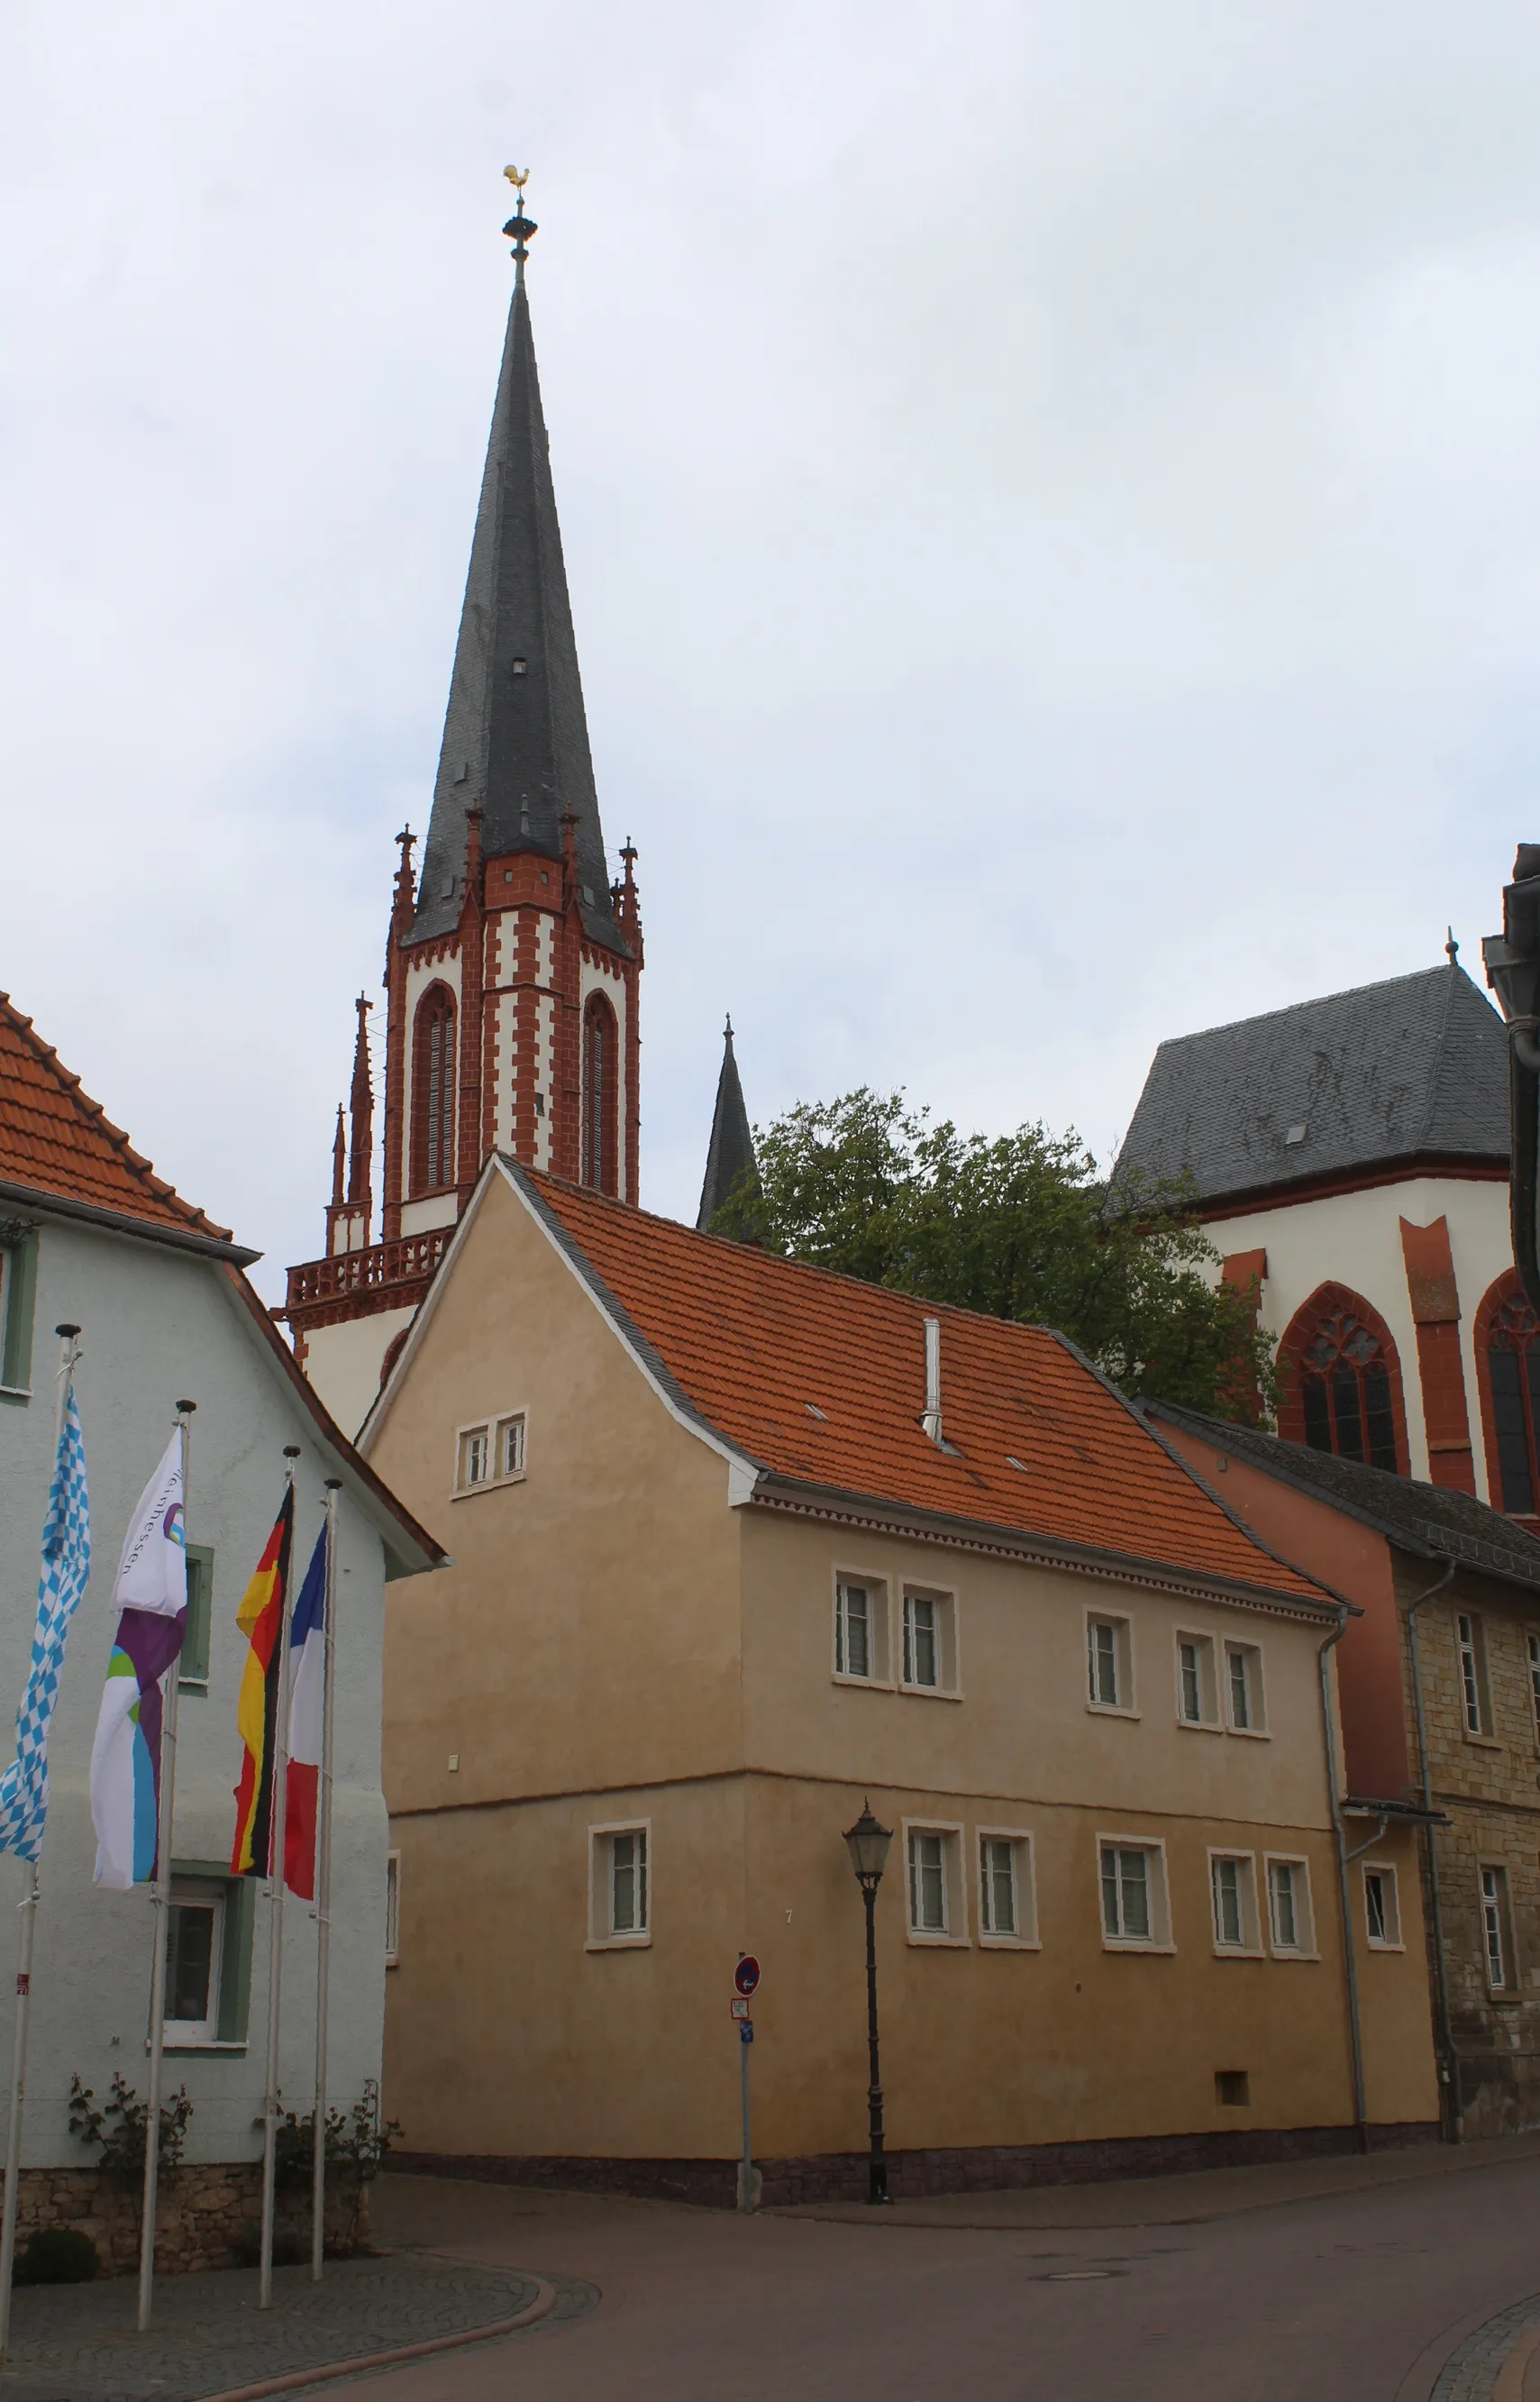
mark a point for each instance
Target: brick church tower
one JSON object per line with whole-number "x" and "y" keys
{"x": 513, "y": 960}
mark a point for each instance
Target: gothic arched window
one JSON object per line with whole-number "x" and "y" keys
{"x": 601, "y": 1091}
{"x": 433, "y": 1090}
{"x": 1508, "y": 1362}
{"x": 1343, "y": 1381}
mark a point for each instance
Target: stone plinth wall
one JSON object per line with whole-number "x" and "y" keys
{"x": 208, "y": 2217}
{"x": 842, "y": 2176}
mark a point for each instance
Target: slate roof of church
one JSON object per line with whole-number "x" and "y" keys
{"x": 1424, "y": 1518}
{"x": 1415, "y": 1068}
{"x": 516, "y": 744}
{"x": 819, "y": 1380}
{"x": 55, "y": 1140}
{"x": 730, "y": 1155}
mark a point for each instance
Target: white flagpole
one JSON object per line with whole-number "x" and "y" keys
{"x": 275, "y": 1938}
{"x": 324, "y": 1887}
{"x": 28, "y": 1908}
{"x": 160, "y": 1920}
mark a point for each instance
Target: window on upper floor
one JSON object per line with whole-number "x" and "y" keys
{"x": 490, "y": 1452}
{"x": 1008, "y": 1908}
{"x": 1532, "y": 1648}
{"x": 18, "y": 1285}
{"x": 1341, "y": 1381}
{"x": 1290, "y": 1917}
{"x": 1470, "y": 1651}
{"x": 1243, "y": 1698}
{"x": 1135, "y": 1915}
{"x": 1197, "y": 1692}
{"x": 1497, "y": 1929}
{"x": 938, "y": 1902}
{"x": 860, "y": 1629}
{"x": 1233, "y": 1890}
{"x": 620, "y": 1885}
{"x": 432, "y": 1136}
{"x": 193, "y": 1661}
{"x": 600, "y": 1094}
{"x": 929, "y": 1642}
{"x": 1109, "y": 1662}
{"x": 1381, "y": 1909}
{"x": 1507, "y": 1361}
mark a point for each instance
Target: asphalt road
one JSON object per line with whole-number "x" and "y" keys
{"x": 1344, "y": 2297}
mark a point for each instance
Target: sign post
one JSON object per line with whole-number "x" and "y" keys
{"x": 746, "y": 1976}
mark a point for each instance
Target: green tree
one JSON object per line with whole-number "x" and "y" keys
{"x": 1020, "y": 1227}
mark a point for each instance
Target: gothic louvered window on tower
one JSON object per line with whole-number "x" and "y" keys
{"x": 433, "y": 1091}
{"x": 1343, "y": 1381}
{"x": 1508, "y": 1337}
{"x": 601, "y": 1091}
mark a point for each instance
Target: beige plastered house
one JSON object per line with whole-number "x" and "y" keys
{"x": 737, "y": 1544}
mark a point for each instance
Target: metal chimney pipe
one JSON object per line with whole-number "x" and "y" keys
{"x": 932, "y": 1418}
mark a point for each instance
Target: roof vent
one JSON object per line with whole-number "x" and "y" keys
{"x": 521, "y": 666}
{"x": 932, "y": 1418}
{"x": 1296, "y": 1133}
{"x": 814, "y": 1412}
{"x": 1011, "y": 1461}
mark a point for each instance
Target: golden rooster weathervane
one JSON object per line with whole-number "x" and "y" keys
{"x": 518, "y": 225}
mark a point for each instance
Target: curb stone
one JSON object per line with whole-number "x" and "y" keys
{"x": 1478, "y": 2370}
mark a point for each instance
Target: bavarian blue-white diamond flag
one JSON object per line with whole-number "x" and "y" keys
{"x": 66, "y": 1566}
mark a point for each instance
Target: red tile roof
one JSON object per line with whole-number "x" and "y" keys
{"x": 54, "y": 1140}
{"x": 821, "y": 1378}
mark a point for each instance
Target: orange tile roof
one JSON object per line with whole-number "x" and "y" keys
{"x": 821, "y": 1378}
{"x": 54, "y": 1140}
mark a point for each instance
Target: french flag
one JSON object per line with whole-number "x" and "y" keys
{"x": 306, "y": 1717}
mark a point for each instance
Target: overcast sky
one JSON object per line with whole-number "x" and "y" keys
{"x": 1050, "y": 493}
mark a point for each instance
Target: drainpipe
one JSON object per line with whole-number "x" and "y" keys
{"x": 1355, "y": 2031}
{"x": 1447, "y": 2078}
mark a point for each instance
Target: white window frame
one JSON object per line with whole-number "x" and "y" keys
{"x": 1024, "y": 1873}
{"x": 494, "y": 1428}
{"x": 1250, "y": 1657}
{"x": 879, "y": 1629}
{"x": 954, "y": 1935}
{"x": 188, "y": 2034}
{"x": 948, "y": 1685}
{"x": 392, "y": 1910}
{"x": 1209, "y": 1722}
{"x": 1122, "y": 1632}
{"x": 1391, "y": 1939}
{"x": 1496, "y": 1909}
{"x": 1531, "y": 1648}
{"x": 603, "y": 1936}
{"x": 1157, "y": 1888}
{"x": 1470, "y": 1668}
{"x": 1250, "y": 1944}
{"x": 1304, "y": 1919}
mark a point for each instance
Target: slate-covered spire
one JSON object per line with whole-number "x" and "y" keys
{"x": 731, "y": 1157}
{"x": 516, "y": 737}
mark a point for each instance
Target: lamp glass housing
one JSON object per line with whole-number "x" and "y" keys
{"x": 867, "y": 1843}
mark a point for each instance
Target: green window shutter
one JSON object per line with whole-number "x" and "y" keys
{"x": 20, "y": 1294}
{"x": 194, "y": 1669}
{"x": 235, "y": 1970}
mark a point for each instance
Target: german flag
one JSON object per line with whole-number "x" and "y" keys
{"x": 260, "y": 1619}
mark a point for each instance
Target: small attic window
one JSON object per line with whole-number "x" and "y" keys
{"x": 587, "y": 896}
{"x": 814, "y": 1412}
{"x": 521, "y": 666}
{"x": 1296, "y": 1133}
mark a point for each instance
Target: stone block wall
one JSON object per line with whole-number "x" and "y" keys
{"x": 208, "y": 2215}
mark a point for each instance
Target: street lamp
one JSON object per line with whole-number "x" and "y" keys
{"x": 867, "y": 1843}
{"x": 1513, "y": 970}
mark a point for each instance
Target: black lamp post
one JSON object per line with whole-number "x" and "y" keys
{"x": 867, "y": 1843}
{"x": 1513, "y": 970}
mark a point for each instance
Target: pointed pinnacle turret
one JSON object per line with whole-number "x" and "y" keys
{"x": 732, "y": 1169}
{"x": 362, "y": 1110}
{"x": 340, "y": 1161}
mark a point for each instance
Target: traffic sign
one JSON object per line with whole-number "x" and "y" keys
{"x": 740, "y": 2005}
{"x": 746, "y": 1976}
{"x": 746, "y": 2031}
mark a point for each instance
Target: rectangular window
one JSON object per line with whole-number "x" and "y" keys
{"x": 1109, "y": 1663}
{"x": 1470, "y": 1645}
{"x": 393, "y": 1909}
{"x": 492, "y": 1453}
{"x": 1197, "y": 1701}
{"x": 1233, "y": 1884}
{"x": 193, "y": 1667}
{"x": 510, "y": 1445}
{"x": 1533, "y": 1642}
{"x": 853, "y": 1616}
{"x": 1007, "y": 1903}
{"x": 1289, "y": 1914}
{"x": 475, "y": 1454}
{"x": 628, "y": 1883}
{"x": 938, "y": 1905}
{"x": 1497, "y": 1929}
{"x": 17, "y": 1290}
{"x": 620, "y": 1885}
{"x": 929, "y": 1642}
{"x": 1382, "y": 1912}
{"x": 1243, "y": 1688}
{"x": 195, "y": 1942}
{"x": 1134, "y": 1896}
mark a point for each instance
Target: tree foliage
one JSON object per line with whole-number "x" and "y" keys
{"x": 1019, "y": 1227}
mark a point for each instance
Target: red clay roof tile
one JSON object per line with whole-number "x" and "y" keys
{"x": 55, "y": 1140}
{"x": 821, "y": 1378}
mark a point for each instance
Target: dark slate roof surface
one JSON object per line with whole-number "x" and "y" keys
{"x": 731, "y": 1152}
{"x": 518, "y": 744}
{"x": 1396, "y": 1071}
{"x": 1425, "y": 1518}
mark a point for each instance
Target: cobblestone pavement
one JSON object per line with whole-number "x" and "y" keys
{"x": 79, "y": 2343}
{"x": 1471, "y": 2373}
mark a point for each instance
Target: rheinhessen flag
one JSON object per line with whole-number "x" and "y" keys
{"x": 151, "y": 1592}
{"x": 306, "y": 1717}
{"x": 66, "y": 1566}
{"x": 260, "y": 1619}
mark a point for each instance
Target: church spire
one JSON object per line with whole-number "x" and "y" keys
{"x": 731, "y": 1166}
{"x": 516, "y": 736}
{"x": 361, "y": 1106}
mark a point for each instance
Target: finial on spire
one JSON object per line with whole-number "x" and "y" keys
{"x": 519, "y": 226}
{"x": 727, "y": 1029}
{"x": 1452, "y": 949}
